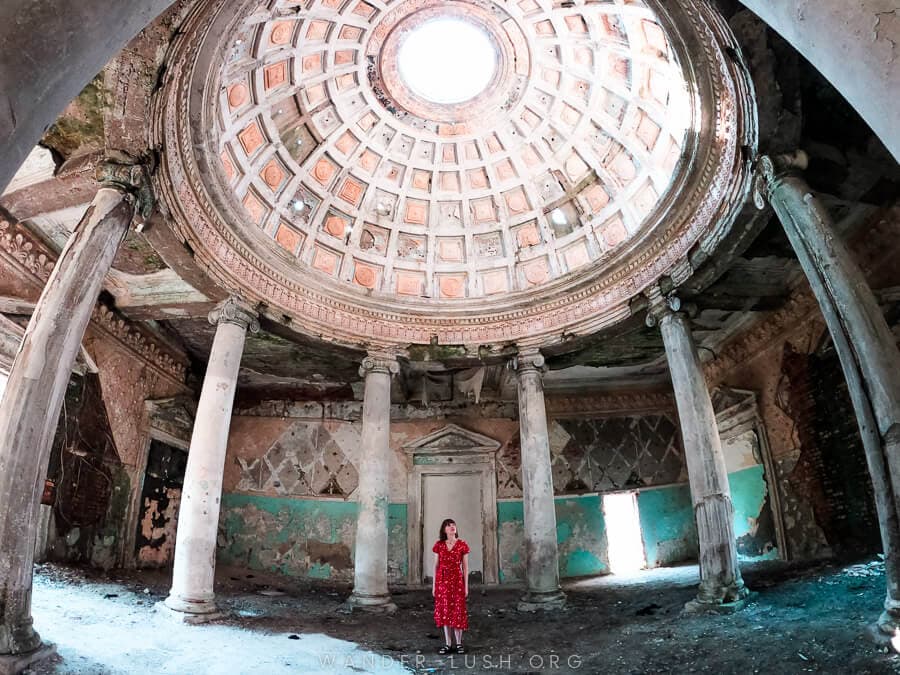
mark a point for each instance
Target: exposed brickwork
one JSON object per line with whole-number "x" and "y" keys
{"x": 80, "y": 464}
{"x": 841, "y": 458}
{"x": 831, "y": 471}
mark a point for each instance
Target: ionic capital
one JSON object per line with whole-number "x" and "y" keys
{"x": 236, "y": 311}
{"x": 661, "y": 307}
{"x": 379, "y": 363}
{"x": 769, "y": 171}
{"x": 132, "y": 179}
{"x": 529, "y": 360}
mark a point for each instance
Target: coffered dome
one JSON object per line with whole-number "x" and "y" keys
{"x": 449, "y": 167}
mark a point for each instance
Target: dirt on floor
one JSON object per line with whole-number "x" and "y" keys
{"x": 799, "y": 619}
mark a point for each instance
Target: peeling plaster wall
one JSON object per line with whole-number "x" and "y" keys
{"x": 311, "y": 538}
{"x": 289, "y": 502}
{"x": 160, "y": 500}
{"x": 779, "y": 375}
{"x": 290, "y": 489}
{"x": 126, "y": 383}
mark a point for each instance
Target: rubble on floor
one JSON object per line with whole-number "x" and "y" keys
{"x": 799, "y": 619}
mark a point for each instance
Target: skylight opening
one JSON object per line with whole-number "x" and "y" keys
{"x": 447, "y": 60}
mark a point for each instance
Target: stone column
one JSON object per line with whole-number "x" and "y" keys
{"x": 541, "y": 553}
{"x": 853, "y": 44}
{"x": 864, "y": 343}
{"x": 370, "y": 590}
{"x": 34, "y": 395}
{"x": 198, "y": 516}
{"x": 721, "y": 586}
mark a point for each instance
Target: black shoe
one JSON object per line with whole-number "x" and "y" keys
{"x": 446, "y": 649}
{"x": 460, "y": 649}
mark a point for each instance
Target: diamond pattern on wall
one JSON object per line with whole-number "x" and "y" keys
{"x": 509, "y": 474}
{"x": 601, "y": 455}
{"x": 306, "y": 460}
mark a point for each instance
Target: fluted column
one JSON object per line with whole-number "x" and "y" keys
{"x": 370, "y": 590}
{"x": 863, "y": 341}
{"x": 192, "y": 592}
{"x": 30, "y": 408}
{"x": 541, "y": 552}
{"x": 721, "y": 584}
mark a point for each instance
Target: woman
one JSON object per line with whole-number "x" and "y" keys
{"x": 450, "y": 585}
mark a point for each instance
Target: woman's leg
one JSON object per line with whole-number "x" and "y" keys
{"x": 447, "y": 637}
{"x": 459, "y": 632}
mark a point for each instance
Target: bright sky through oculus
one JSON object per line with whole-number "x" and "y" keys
{"x": 447, "y": 61}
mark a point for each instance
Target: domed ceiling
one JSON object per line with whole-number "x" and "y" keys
{"x": 454, "y": 161}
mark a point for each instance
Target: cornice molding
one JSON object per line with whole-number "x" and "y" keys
{"x": 126, "y": 334}
{"x": 611, "y": 404}
{"x": 35, "y": 261}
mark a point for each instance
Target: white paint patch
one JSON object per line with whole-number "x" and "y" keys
{"x": 741, "y": 451}
{"x": 116, "y": 635}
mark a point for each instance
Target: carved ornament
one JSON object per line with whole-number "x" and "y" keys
{"x": 235, "y": 311}
{"x": 709, "y": 186}
{"x": 379, "y": 363}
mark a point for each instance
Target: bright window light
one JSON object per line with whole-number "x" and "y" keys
{"x": 623, "y": 533}
{"x": 447, "y": 60}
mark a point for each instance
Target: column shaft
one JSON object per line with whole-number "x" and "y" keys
{"x": 720, "y": 576}
{"x": 866, "y": 349}
{"x": 198, "y": 515}
{"x": 34, "y": 395}
{"x": 541, "y": 552}
{"x": 370, "y": 589}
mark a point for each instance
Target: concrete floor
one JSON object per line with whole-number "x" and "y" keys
{"x": 809, "y": 619}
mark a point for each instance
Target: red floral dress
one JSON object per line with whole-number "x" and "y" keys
{"x": 449, "y": 586}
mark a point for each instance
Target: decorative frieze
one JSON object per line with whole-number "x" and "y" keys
{"x": 26, "y": 252}
{"x": 129, "y": 336}
{"x": 19, "y": 245}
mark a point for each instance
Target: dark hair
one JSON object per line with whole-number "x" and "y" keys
{"x": 443, "y": 534}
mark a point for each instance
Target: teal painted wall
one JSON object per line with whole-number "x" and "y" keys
{"x": 580, "y": 535}
{"x": 748, "y": 493}
{"x": 311, "y": 538}
{"x": 667, "y": 518}
{"x": 510, "y": 540}
{"x": 667, "y": 525}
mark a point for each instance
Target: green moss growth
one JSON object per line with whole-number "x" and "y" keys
{"x": 436, "y": 352}
{"x": 81, "y": 124}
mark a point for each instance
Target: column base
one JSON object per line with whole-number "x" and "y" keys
{"x": 534, "y": 601}
{"x": 732, "y": 603}
{"x": 886, "y": 631}
{"x": 13, "y": 664}
{"x": 369, "y": 603}
{"x": 185, "y": 611}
